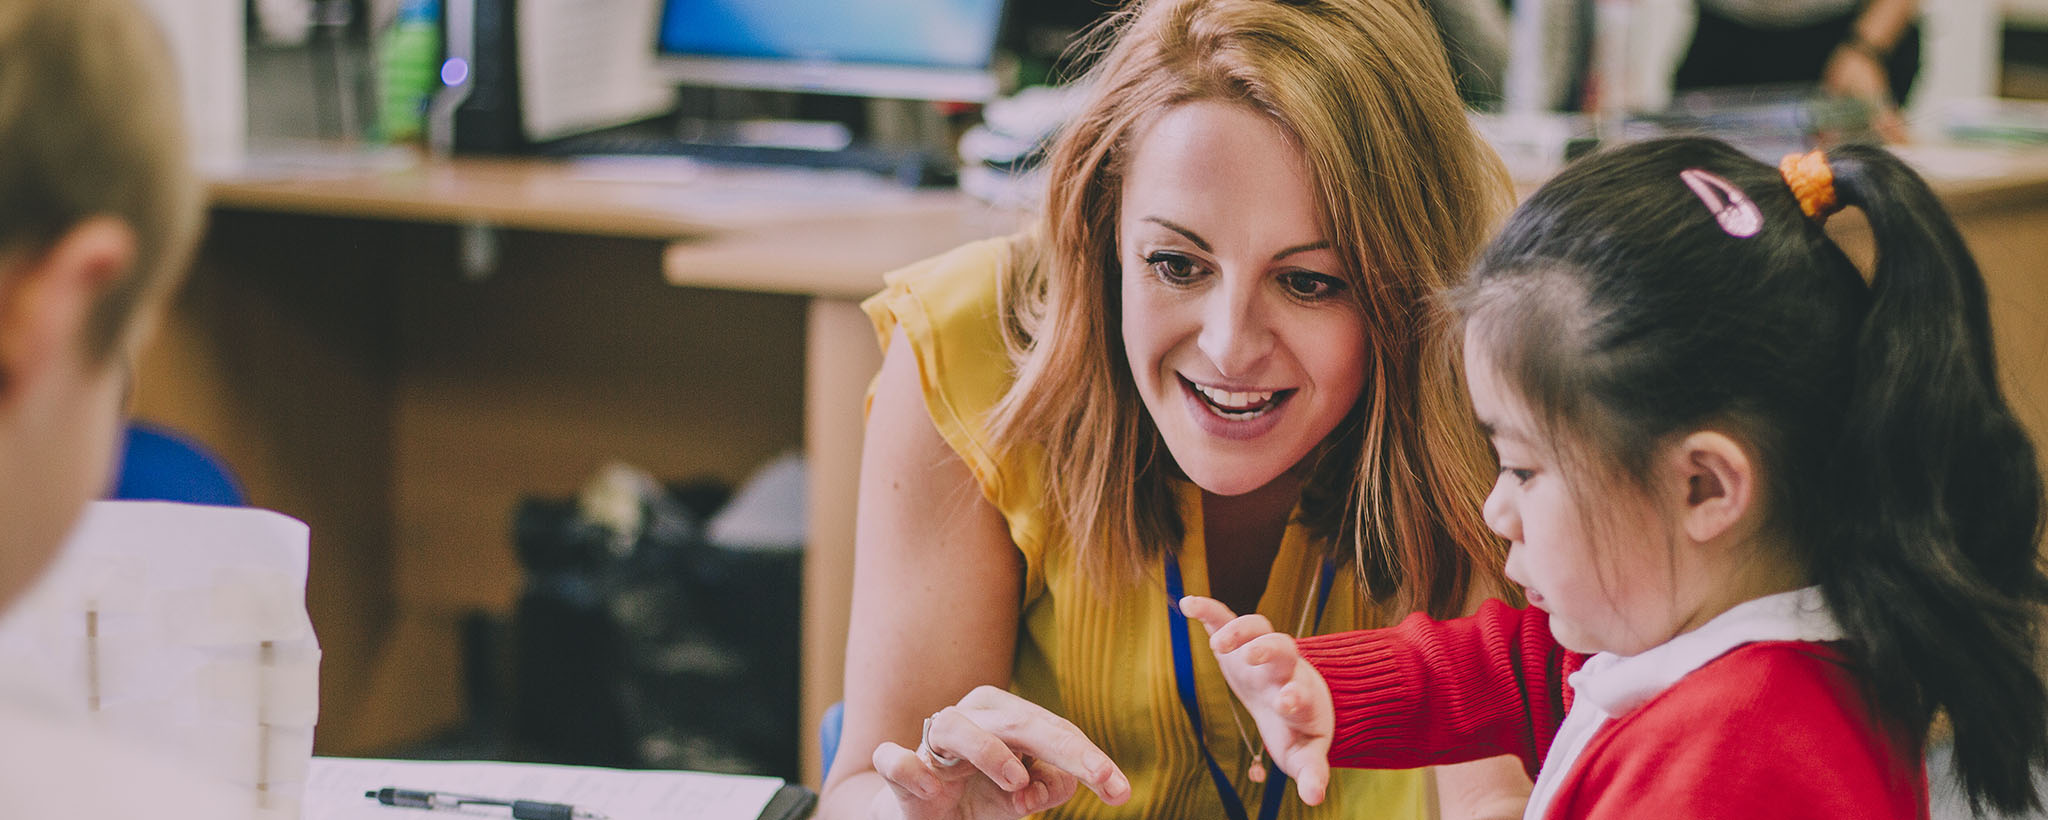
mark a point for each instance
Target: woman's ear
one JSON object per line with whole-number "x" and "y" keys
{"x": 47, "y": 296}
{"x": 1718, "y": 484}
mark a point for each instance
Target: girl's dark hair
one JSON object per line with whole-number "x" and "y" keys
{"x": 1623, "y": 313}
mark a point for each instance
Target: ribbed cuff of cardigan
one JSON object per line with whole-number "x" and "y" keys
{"x": 1431, "y": 692}
{"x": 1378, "y": 694}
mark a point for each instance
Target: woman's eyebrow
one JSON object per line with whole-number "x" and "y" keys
{"x": 1191, "y": 235}
{"x": 1317, "y": 245}
{"x": 1304, "y": 247}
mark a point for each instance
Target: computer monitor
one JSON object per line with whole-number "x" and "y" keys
{"x": 898, "y": 49}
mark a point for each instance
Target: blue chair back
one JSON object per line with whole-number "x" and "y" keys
{"x": 160, "y": 465}
{"x": 828, "y": 736}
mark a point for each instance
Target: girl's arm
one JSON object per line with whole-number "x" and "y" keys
{"x": 1431, "y": 692}
{"x": 1424, "y": 693}
{"x": 932, "y": 632}
{"x": 1493, "y": 788}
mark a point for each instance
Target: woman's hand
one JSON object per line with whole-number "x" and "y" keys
{"x": 1286, "y": 696}
{"x": 995, "y": 755}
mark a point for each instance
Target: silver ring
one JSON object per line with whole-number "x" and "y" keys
{"x": 933, "y": 757}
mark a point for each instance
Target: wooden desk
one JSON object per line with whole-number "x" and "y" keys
{"x": 397, "y": 355}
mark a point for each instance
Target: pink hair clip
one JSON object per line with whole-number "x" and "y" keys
{"x": 1737, "y": 215}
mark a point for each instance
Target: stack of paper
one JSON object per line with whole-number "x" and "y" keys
{"x": 184, "y": 628}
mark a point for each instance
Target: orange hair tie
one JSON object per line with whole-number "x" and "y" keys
{"x": 1812, "y": 182}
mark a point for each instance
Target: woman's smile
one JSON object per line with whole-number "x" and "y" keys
{"x": 1236, "y": 414}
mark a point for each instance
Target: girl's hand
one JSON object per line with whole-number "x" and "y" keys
{"x": 994, "y": 756}
{"x": 1285, "y": 695}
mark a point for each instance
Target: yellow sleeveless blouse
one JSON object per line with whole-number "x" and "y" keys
{"x": 1107, "y": 665}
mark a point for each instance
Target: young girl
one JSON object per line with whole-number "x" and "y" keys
{"x": 1771, "y": 519}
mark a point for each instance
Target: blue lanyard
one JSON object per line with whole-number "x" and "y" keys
{"x": 1184, "y": 680}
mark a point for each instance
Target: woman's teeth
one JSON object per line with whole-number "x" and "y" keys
{"x": 1236, "y": 405}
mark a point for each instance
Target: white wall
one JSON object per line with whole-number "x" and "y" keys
{"x": 206, "y": 42}
{"x": 1959, "y": 53}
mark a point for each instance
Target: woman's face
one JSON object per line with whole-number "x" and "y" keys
{"x": 1242, "y": 339}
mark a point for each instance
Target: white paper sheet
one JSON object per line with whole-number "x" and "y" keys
{"x": 586, "y": 64}
{"x": 335, "y": 787}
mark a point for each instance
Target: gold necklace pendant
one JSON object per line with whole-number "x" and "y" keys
{"x": 1256, "y": 770}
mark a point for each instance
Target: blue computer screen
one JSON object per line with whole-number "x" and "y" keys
{"x": 935, "y": 33}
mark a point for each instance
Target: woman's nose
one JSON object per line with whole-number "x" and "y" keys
{"x": 1236, "y": 336}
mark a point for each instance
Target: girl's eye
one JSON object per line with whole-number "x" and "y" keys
{"x": 1312, "y": 287}
{"x": 1173, "y": 268}
{"x": 1521, "y": 476}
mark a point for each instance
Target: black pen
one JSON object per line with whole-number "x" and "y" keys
{"x": 469, "y": 803}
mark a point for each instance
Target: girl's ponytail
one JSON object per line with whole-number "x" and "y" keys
{"x": 1935, "y": 565}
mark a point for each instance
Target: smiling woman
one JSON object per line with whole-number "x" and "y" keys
{"x": 1203, "y": 371}
{"x": 1243, "y": 339}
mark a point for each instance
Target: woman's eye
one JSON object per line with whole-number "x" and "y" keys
{"x": 1173, "y": 268}
{"x": 1311, "y": 286}
{"x": 1521, "y": 476}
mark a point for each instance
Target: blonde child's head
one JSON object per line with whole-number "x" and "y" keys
{"x": 91, "y": 125}
{"x": 99, "y": 210}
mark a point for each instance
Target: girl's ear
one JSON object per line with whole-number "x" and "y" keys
{"x": 1719, "y": 484}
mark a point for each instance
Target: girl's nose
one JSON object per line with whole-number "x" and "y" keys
{"x": 1499, "y": 513}
{"x": 1236, "y": 336}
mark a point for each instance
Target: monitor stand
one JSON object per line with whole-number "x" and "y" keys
{"x": 802, "y": 135}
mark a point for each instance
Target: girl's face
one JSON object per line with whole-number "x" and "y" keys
{"x": 1606, "y": 591}
{"x": 1242, "y": 339}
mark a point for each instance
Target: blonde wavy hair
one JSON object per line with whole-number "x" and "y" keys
{"x": 1409, "y": 191}
{"x": 90, "y": 125}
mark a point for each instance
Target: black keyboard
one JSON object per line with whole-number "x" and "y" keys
{"x": 911, "y": 168}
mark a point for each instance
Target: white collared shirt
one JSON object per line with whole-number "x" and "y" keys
{"x": 1609, "y": 684}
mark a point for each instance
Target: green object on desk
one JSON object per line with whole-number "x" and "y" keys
{"x": 408, "y": 57}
